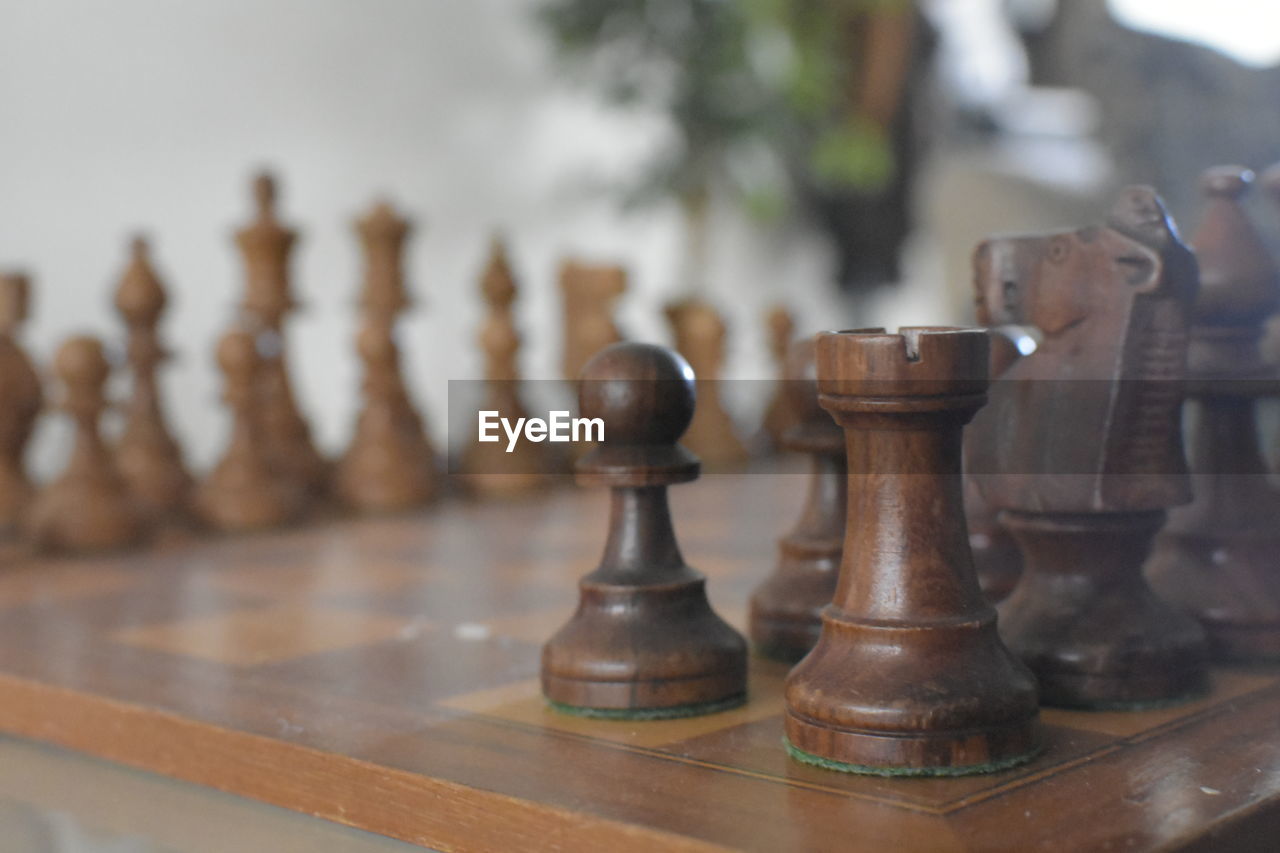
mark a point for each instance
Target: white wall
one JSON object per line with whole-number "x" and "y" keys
{"x": 152, "y": 114}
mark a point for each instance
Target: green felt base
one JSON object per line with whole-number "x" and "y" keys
{"x": 866, "y": 770}
{"x": 672, "y": 713}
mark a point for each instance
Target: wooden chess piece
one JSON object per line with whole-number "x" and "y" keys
{"x": 242, "y": 493}
{"x": 390, "y": 464}
{"x": 779, "y": 414}
{"x": 786, "y": 609}
{"x": 146, "y": 454}
{"x": 699, "y": 334}
{"x": 644, "y": 642}
{"x": 266, "y": 246}
{"x": 23, "y": 397}
{"x": 909, "y": 676}
{"x": 88, "y": 508}
{"x": 1081, "y": 451}
{"x": 590, "y": 291}
{"x": 488, "y": 470}
{"x": 1219, "y": 556}
{"x": 1270, "y": 345}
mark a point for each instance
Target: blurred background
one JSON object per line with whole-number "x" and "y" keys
{"x": 838, "y": 157}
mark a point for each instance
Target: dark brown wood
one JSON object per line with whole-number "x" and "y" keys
{"x": 87, "y": 508}
{"x": 699, "y": 333}
{"x": 786, "y": 609}
{"x": 146, "y": 453}
{"x": 389, "y": 464}
{"x": 1081, "y": 449}
{"x": 644, "y": 641}
{"x": 266, "y": 246}
{"x": 779, "y": 416}
{"x": 23, "y": 397}
{"x": 909, "y": 674}
{"x": 1219, "y": 556}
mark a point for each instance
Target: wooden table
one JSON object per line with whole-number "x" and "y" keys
{"x": 383, "y": 674}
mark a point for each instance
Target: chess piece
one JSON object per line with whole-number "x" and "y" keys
{"x": 589, "y": 291}
{"x": 786, "y": 609}
{"x": 266, "y": 246}
{"x": 242, "y": 493}
{"x": 390, "y": 463}
{"x": 909, "y": 676}
{"x": 644, "y": 643}
{"x": 146, "y": 454}
{"x": 1270, "y": 346}
{"x": 1219, "y": 556}
{"x": 23, "y": 398}
{"x": 699, "y": 334}
{"x": 88, "y": 508}
{"x": 779, "y": 415}
{"x": 1081, "y": 451}
{"x": 488, "y": 470}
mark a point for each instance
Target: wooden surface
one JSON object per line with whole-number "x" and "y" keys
{"x": 383, "y": 674}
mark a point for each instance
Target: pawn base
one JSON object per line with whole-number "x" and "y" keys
{"x": 870, "y": 770}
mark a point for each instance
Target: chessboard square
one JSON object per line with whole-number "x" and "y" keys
{"x": 312, "y": 580}
{"x": 53, "y": 584}
{"x": 245, "y": 638}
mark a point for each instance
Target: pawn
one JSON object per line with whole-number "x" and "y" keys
{"x": 909, "y": 676}
{"x": 149, "y": 458}
{"x": 23, "y": 399}
{"x": 389, "y": 465}
{"x": 242, "y": 492}
{"x": 88, "y": 509}
{"x": 786, "y": 610}
{"x": 644, "y": 642}
{"x": 699, "y": 334}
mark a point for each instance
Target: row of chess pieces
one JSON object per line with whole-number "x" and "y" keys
{"x": 117, "y": 493}
{"x": 1115, "y": 571}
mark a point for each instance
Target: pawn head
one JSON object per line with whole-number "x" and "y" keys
{"x": 238, "y": 353}
{"x": 81, "y": 361}
{"x": 644, "y": 393}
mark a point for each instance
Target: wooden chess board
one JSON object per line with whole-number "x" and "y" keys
{"x": 383, "y": 674}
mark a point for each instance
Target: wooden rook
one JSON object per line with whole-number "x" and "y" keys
{"x": 1219, "y": 556}
{"x": 488, "y": 470}
{"x": 23, "y": 397}
{"x": 779, "y": 415}
{"x": 148, "y": 457}
{"x": 699, "y": 336}
{"x": 786, "y": 609}
{"x": 390, "y": 464}
{"x": 88, "y": 508}
{"x": 590, "y": 291}
{"x": 242, "y": 493}
{"x": 266, "y": 246}
{"x": 1081, "y": 451}
{"x": 909, "y": 676}
{"x": 644, "y": 642}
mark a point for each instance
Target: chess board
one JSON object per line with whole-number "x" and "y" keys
{"x": 383, "y": 674}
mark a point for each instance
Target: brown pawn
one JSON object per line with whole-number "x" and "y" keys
{"x": 786, "y": 610}
{"x": 644, "y": 642}
{"x": 88, "y": 509}
{"x": 389, "y": 465}
{"x": 909, "y": 676}
{"x": 146, "y": 454}
{"x": 1081, "y": 450}
{"x": 487, "y": 469}
{"x": 590, "y": 291}
{"x": 266, "y": 246}
{"x": 699, "y": 334}
{"x": 23, "y": 398}
{"x": 241, "y": 493}
{"x": 1219, "y": 556}
{"x": 779, "y": 415}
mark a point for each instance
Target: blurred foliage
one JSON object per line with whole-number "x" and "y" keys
{"x": 759, "y": 92}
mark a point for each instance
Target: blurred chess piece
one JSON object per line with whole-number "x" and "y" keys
{"x": 390, "y": 463}
{"x": 242, "y": 493}
{"x": 486, "y": 467}
{"x": 23, "y": 397}
{"x": 266, "y": 246}
{"x": 147, "y": 455}
{"x": 88, "y": 508}
{"x": 780, "y": 415}
{"x": 589, "y": 291}
{"x": 700, "y": 337}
